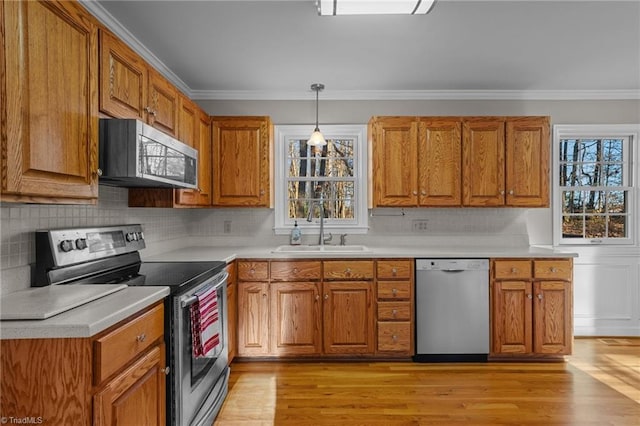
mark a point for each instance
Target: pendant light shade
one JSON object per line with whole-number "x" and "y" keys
{"x": 317, "y": 139}
{"x": 374, "y": 7}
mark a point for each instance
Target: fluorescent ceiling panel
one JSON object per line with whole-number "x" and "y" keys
{"x": 374, "y": 7}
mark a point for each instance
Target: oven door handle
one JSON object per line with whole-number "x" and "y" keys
{"x": 190, "y": 300}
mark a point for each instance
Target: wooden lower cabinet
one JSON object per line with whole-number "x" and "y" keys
{"x": 113, "y": 378}
{"x": 349, "y": 320}
{"x": 136, "y": 393}
{"x": 532, "y": 312}
{"x": 296, "y": 313}
{"x": 253, "y": 318}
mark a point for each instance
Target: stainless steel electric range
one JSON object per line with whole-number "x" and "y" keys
{"x": 196, "y": 386}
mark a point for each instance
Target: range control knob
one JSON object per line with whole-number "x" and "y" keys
{"x": 66, "y": 245}
{"x": 140, "y": 236}
{"x": 131, "y": 236}
{"x": 81, "y": 243}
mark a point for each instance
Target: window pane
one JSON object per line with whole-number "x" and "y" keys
{"x": 617, "y": 202}
{"x": 590, "y": 150}
{"x": 572, "y": 226}
{"x": 572, "y": 202}
{"x": 612, "y": 175}
{"x": 617, "y": 226}
{"x": 594, "y": 201}
{"x": 595, "y": 227}
{"x": 613, "y": 150}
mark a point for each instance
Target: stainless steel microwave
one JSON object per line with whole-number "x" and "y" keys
{"x": 133, "y": 154}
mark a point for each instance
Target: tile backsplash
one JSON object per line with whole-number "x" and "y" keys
{"x": 165, "y": 229}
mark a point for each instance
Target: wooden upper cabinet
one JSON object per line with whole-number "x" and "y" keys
{"x": 48, "y": 111}
{"x": 440, "y": 158}
{"x": 527, "y": 161}
{"x": 483, "y": 161}
{"x": 130, "y": 88}
{"x": 395, "y": 161}
{"x": 202, "y": 195}
{"x": 242, "y": 157}
{"x": 188, "y": 122}
{"x": 162, "y": 112}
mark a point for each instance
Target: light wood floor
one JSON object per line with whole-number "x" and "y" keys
{"x": 598, "y": 385}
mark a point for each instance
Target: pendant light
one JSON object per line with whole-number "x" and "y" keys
{"x": 316, "y": 138}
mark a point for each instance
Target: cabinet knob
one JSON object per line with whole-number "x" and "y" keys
{"x": 326, "y": 296}
{"x": 415, "y": 192}
{"x": 166, "y": 370}
{"x": 394, "y": 338}
{"x": 98, "y": 172}
{"x": 394, "y": 272}
{"x": 502, "y": 192}
{"x": 423, "y": 192}
{"x": 317, "y": 297}
{"x": 394, "y": 313}
{"x": 347, "y": 271}
{"x": 529, "y": 296}
{"x": 394, "y": 291}
{"x": 554, "y": 269}
{"x": 539, "y": 296}
{"x": 514, "y": 270}
{"x": 141, "y": 338}
{"x": 295, "y": 270}
{"x": 252, "y": 271}
{"x": 262, "y": 192}
{"x": 511, "y": 192}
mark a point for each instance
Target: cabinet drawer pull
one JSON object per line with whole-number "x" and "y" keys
{"x": 295, "y": 270}
{"x": 394, "y": 313}
{"x": 394, "y": 338}
{"x": 394, "y": 291}
{"x": 394, "y": 272}
{"x": 252, "y": 271}
{"x": 553, "y": 269}
{"x": 141, "y": 338}
{"x": 514, "y": 270}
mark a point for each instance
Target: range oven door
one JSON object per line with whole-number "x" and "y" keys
{"x": 199, "y": 384}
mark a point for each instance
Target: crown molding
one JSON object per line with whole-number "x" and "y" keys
{"x": 98, "y": 11}
{"x": 389, "y": 95}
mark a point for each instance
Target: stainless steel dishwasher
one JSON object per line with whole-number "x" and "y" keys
{"x": 452, "y": 310}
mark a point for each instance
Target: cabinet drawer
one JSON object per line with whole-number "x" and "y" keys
{"x": 394, "y": 336}
{"x": 394, "y": 269}
{"x": 120, "y": 346}
{"x": 348, "y": 269}
{"x": 400, "y": 290}
{"x": 510, "y": 269}
{"x": 253, "y": 271}
{"x": 394, "y": 311}
{"x": 295, "y": 271}
{"x": 553, "y": 269}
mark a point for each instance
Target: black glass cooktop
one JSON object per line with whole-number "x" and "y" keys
{"x": 172, "y": 274}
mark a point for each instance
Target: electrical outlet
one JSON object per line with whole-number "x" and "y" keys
{"x": 420, "y": 225}
{"x": 227, "y": 227}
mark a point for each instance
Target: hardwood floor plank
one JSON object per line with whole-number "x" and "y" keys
{"x": 599, "y": 385}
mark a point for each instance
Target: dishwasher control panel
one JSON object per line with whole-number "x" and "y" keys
{"x": 452, "y": 264}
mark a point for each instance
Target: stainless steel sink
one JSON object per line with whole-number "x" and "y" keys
{"x": 322, "y": 249}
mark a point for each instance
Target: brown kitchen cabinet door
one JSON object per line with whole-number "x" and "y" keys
{"x": 483, "y": 162}
{"x": 242, "y": 156}
{"x": 395, "y": 161}
{"x": 512, "y": 317}
{"x": 49, "y": 76}
{"x": 440, "y": 162}
{"x": 553, "y": 317}
{"x": 163, "y": 100}
{"x": 123, "y": 79}
{"x": 253, "y": 319}
{"x": 202, "y": 195}
{"x": 349, "y": 317}
{"x": 136, "y": 395}
{"x": 527, "y": 161}
{"x": 297, "y": 318}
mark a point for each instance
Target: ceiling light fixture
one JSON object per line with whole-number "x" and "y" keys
{"x": 374, "y": 7}
{"x": 316, "y": 138}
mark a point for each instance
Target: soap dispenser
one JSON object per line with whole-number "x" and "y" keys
{"x": 296, "y": 237}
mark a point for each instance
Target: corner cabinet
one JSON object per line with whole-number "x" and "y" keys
{"x": 48, "y": 107}
{"x": 532, "y": 311}
{"x": 116, "y": 377}
{"x": 459, "y": 161}
{"x": 242, "y": 160}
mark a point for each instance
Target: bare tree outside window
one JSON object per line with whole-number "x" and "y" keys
{"x": 594, "y": 185}
{"x": 328, "y": 170}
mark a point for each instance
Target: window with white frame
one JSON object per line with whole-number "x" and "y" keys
{"x": 594, "y": 182}
{"x": 333, "y": 175}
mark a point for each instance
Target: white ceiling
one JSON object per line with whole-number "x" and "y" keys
{"x": 276, "y": 49}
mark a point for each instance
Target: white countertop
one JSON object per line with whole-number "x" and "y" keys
{"x": 227, "y": 254}
{"x": 88, "y": 319}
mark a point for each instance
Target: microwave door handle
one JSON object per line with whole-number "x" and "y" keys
{"x": 190, "y": 300}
